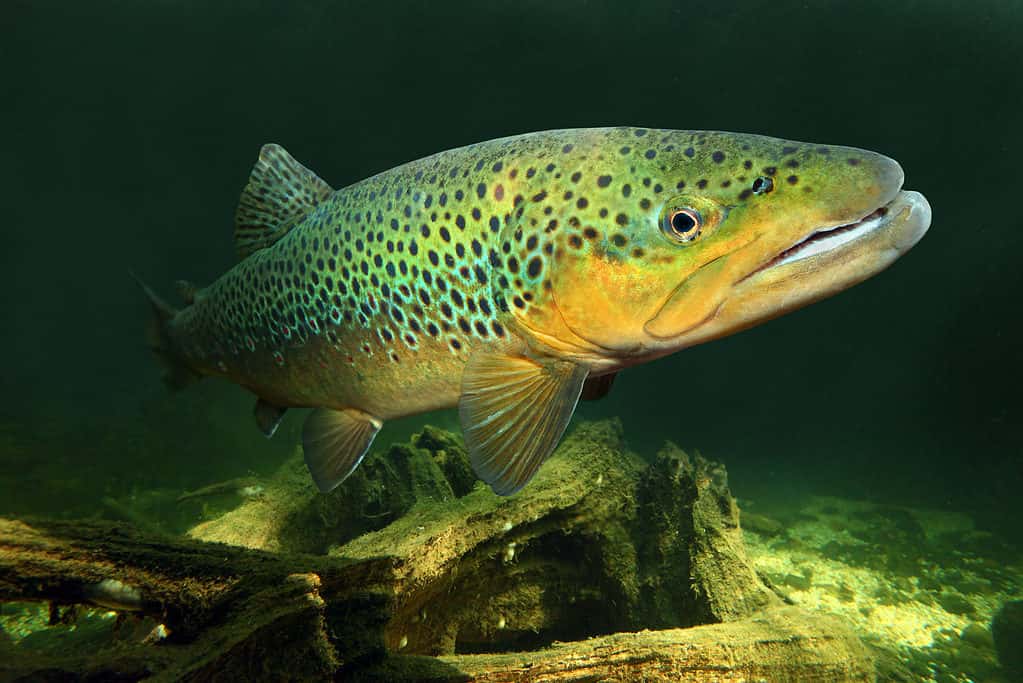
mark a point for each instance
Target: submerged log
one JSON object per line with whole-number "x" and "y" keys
{"x": 781, "y": 644}
{"x": 419, "y": 561}
{"x": 223, "y": 609}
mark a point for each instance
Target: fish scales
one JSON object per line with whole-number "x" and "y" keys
{"x": 381, "y": 294}
{"x": 552, "y": 257}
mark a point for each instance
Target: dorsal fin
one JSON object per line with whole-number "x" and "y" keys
{"x": 280, "y": 191}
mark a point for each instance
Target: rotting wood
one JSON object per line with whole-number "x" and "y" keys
{"x": 600, "y": 543}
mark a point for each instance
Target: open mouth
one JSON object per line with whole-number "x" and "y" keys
{"x": 829, "y": 239}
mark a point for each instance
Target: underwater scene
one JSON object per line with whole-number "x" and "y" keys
{"x": 541, "y": 341}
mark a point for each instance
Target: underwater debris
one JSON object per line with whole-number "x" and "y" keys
{"x": 655, "y": 546}
{"x": 241, "y": 486}
{"x": 113, "y": 594}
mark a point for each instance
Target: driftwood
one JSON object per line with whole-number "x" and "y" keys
{"x": 782, "y": 644}
{"x": 225, "y": 610}
{"x": 432, "y": 577}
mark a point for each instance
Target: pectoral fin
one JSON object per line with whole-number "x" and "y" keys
{"x": 514, "y": 410}
{"x": 334, "y": 443}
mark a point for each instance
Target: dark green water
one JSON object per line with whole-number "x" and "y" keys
{"x": 130, "y": 129}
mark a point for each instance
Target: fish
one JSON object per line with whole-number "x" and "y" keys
{"x": 514, "y": 277}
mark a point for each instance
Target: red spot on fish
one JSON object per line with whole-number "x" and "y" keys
{"x": 499, "y": 192}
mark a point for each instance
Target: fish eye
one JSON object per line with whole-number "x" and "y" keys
{"x": 683, "y": 225}
{"x": 762, "y": 185}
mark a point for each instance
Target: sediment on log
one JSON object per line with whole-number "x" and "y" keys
{"x": 430, "y": 575}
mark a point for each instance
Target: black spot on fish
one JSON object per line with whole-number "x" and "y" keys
{"x": 534, "y": 267}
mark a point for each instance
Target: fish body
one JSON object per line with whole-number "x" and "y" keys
{"x": 511, "y": 276}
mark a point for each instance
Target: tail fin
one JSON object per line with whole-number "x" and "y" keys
{"x": 176, "y": 372}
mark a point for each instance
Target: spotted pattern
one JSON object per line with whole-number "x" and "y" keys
{"x": 445, "y": 254}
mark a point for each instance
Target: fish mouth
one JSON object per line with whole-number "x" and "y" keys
{"x": 908, "y": 209}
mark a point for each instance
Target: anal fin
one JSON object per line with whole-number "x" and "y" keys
{"x": 514, "y": 410}
{"x": 334, "y": 443}
{"x": 268, "y": 417}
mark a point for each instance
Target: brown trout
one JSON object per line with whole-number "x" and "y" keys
{"x": 514, "y": 276}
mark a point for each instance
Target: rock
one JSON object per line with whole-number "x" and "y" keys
{"x": 955, "y": 603}
{"x": 977, "y": 635}
{"x": 1007, "y": 632}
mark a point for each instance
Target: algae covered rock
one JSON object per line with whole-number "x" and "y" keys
{"x": 1007, "y": 630}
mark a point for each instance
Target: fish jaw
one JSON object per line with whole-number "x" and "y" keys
{"x": 823, "y": 262}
